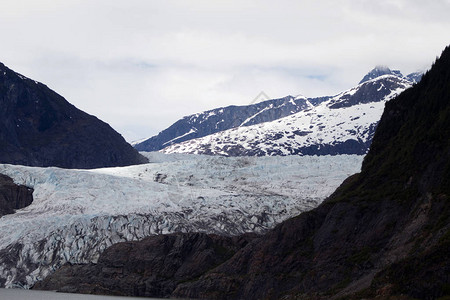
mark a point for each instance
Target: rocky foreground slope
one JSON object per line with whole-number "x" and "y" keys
{"x": 385, "y": 231}
{"x": 38, "y": 127}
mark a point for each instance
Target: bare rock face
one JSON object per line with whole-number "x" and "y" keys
{"x": 152, "y": 267}
{"x": 13, "y": 196}
{"x": 38, "y": 127}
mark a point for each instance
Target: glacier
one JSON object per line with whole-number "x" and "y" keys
{"x": 76, "y": 214}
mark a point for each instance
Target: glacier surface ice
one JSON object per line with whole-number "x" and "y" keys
{"x": 76, "y": 214}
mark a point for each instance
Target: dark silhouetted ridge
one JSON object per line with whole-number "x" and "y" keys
{"x": 38, "y": 127}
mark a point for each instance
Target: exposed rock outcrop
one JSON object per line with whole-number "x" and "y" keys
{"x": 13, "y": 196}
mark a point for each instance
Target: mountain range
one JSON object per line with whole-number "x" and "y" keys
{"x": 383, "y": 234}
{"x": 206, "y": 227}
{"x": 341, "y": 124}
{"x": 38, "y": 127}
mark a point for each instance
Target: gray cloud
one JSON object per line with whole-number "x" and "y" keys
{"x": 141, "y": 65}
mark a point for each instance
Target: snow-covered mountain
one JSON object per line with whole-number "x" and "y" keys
{"x": 414, "y": 77}
{"x": 384, "y": 70}
{"x": 343, "y": 124}
{"x": 76, "y": 214}
{"x": 221, "y": 119}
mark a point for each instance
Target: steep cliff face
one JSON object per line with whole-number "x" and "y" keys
{"x": 384, "y": 231}
{"x": 38, "y": 127}
{"x": 13, "y": 196}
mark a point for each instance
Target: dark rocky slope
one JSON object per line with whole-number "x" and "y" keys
{"x": 151, "y": 267}
{"x": 384, "y": 232}
{"x": 38, "y": 127}
{"x": 13, "y": 196}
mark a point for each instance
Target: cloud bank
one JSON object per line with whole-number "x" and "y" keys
{"x": 141, "y": 65}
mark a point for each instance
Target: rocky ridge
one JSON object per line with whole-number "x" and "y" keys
{"x": 38, "y": 127}
{"x": 219, "y": 119}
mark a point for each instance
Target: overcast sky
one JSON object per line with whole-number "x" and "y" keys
{"x": 142, "y": 65}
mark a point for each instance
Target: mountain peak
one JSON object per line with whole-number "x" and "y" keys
{"x": 380, "y": 70}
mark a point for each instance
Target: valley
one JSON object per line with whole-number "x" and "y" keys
{"x": 292, "y": 198}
